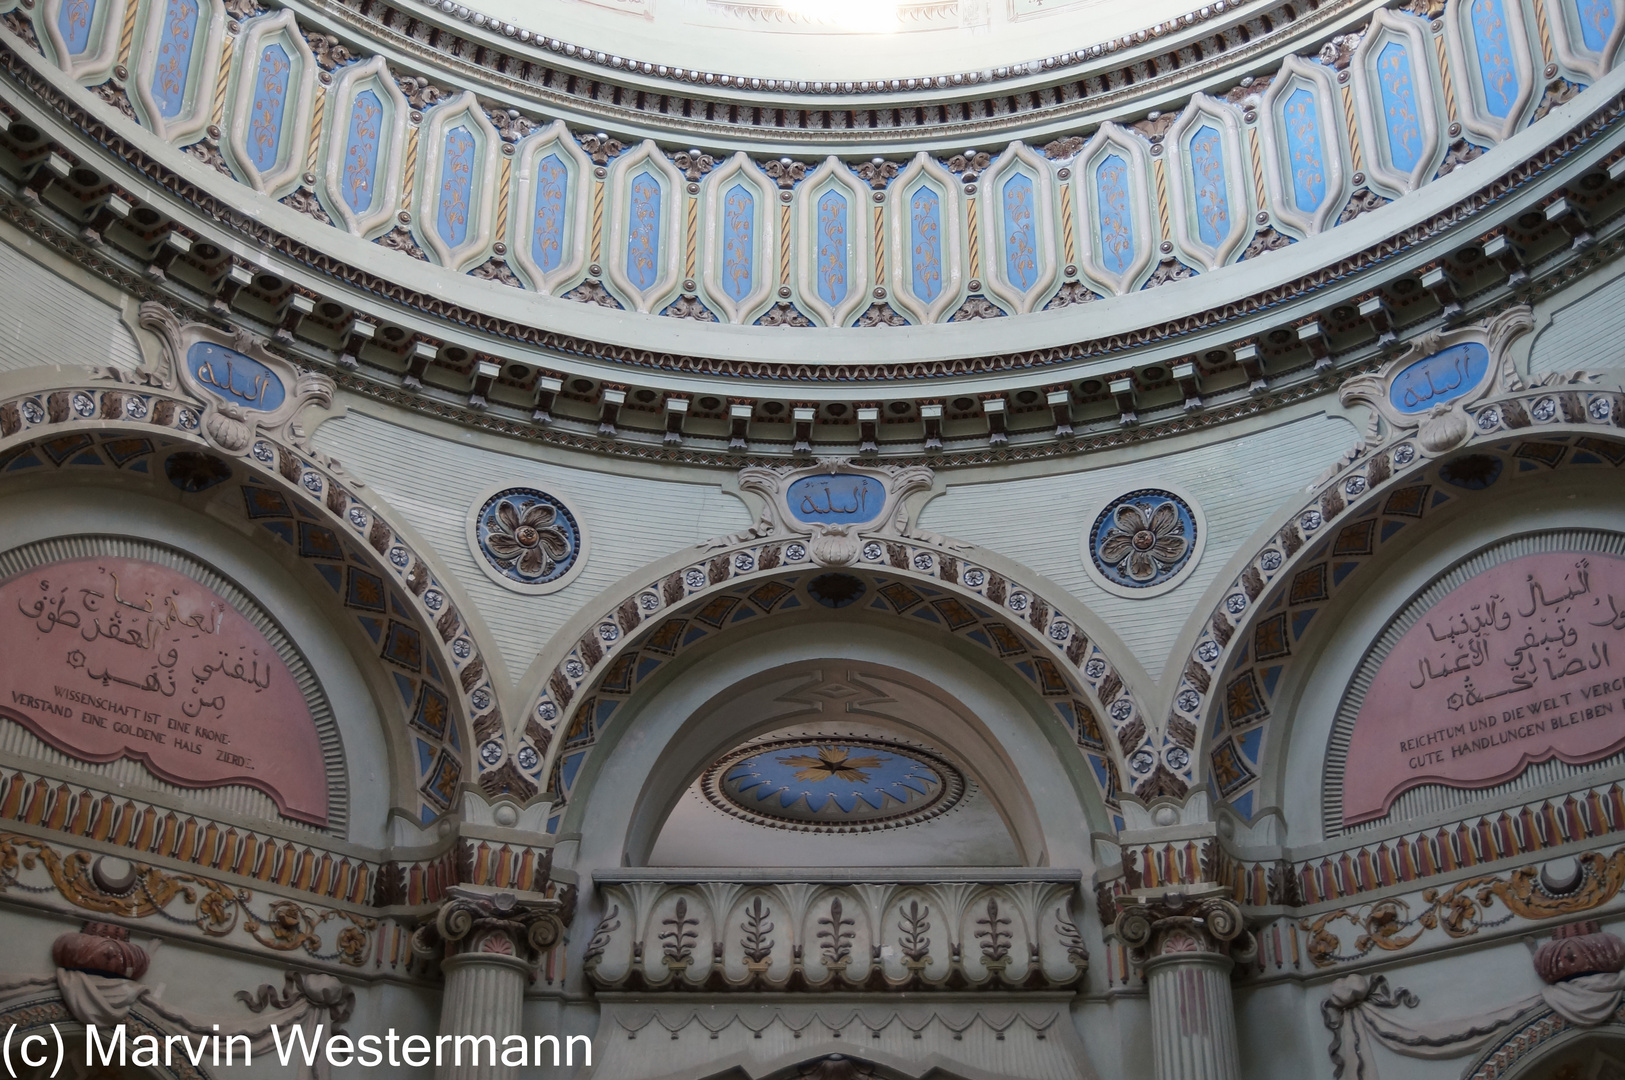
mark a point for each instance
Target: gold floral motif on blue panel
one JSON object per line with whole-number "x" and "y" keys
{"x": 643, "y": 235}
{"x": 270, "y": 101}
{"x": 361, "y": 151}
{"x": 174, "y": 67}
{"x": 1303, "y": 144}
{"x": 1496, "y": 72}
{"x": 832, "y": 247}
{"x": 1020, "y": 241}
{"x": 1596, "y": 22}
{"x": 73, "y": 23}
{"x": 1208, "y": 182}
{"x": 547, "y": 236}
{"x": 1399, "y": 107}
{"x": 1116, "y": 215}
{"x": 456, "y": 186}
{"x": 738, "y": 249}
{"x": 925, "y": 237}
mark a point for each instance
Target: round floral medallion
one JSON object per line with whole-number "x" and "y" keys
{"x": 526, "y": 540}
{"x": 1144, "y": 542}
{"x": 838, "y": 784}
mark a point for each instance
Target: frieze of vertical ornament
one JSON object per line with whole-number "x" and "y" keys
{"x": 833, "y": 240}
{"x": 1210, "y": 184}
{"x": 549, "y": 215}
{"x": 644, "y": 250}
{"x": 179, "y": 45}
{"x": 82, "y": 36}
{"x": 1020, "y": 228}
{"x": 1585, "y": 35}
{"x": 740, "y": 227}
{"x": 1491, "y": 66}
{"x": 1305, "y": 144}
{"x": 458, "y": 151}
{"x": 1118, "y": 237}
{"x": 1397, "y": 103}
{"x": 925, "y": 234}
{"x": 361, "y": 156}
{"x": 879, "y": 936}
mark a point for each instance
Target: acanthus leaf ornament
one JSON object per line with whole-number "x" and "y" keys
{"x": 836, "y": 503}
{"x": 246, "y": 389}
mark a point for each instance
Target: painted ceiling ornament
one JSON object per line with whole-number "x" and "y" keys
{"x": 1144, "y": 542}
{"x": 526, "y": 539}
{"x": 247, "y": 391}
{"x": 833, "y": 784}
{"x": 1432, "y": 388}
{"x": 837, "y": 504}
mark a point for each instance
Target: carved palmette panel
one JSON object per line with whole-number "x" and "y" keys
{"x": 1305, "y": 147}
{"x": 1019, "y": 230}
{"x": 360, "y": 164}
{"x": 1396, "y": 98}
{"x": 643, "y": 256}
{"x": 179, "y": 49}
{"x": 1209, "y": 183}
{"x": 741, "y": 229}
{"x": 458, "y": 149}
{"x": 272, "y": 97}
{"x": 925, "y": 230}
{"x": 1492, "y": 65}
{"x": 1117, "y": 237}
{"x": 549, "y": 225}
{"x": 832, "y": 240}
{"x": 82, "y": 36}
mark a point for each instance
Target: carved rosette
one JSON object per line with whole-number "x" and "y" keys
{"x": 491, "y": 923}
{"x": 1178, "y": 924}
{"x": 1579, "y": 949}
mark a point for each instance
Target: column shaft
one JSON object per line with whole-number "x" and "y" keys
{"x": 1193, "y": 1022}
{"x": 484, "y": 995}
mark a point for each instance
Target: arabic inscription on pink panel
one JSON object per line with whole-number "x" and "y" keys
{"x": 108, "y": 657}
{"x": 1520, "y": 664}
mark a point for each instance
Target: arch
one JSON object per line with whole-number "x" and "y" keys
{"x": 428, "y": 666}
{"x": 1546, "y": 1046}
{"x": 1003, "y": 611}
{"x": 1263, "y": 615}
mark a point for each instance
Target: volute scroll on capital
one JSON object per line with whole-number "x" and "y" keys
{"x": 494, "y": 923}
{"x": 1178, "y": 923}
{"x": 246, "y": 390}
{"x": 833, "y": 503}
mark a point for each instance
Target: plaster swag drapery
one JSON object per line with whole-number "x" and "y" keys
{"x": 1360, "y": 1013}
{"x": 308, "y": 1002}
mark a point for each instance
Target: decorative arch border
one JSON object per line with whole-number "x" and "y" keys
{"x": 1386, "y": 483}
{"x": 1534, "y": 1039}
{"x": 131, "y": 423}
{"x": 742, "y": 587}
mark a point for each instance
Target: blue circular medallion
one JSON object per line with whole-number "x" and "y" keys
{"x": 838, "y": 784}
{"x": 1143, "y": 539}
{"x": 528, "y": 536}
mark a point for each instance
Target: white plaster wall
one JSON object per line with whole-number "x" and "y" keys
{"x": 46, "y": 319}
{"x": 432, "y": 482}
{"x": 1040, "y": 522}
{"x": 1586, "y": 327}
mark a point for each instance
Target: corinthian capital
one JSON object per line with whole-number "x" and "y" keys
{"x": 1174, "y": 923}
{"x": 485, "y": 921}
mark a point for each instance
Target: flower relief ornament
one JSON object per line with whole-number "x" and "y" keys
{"x": 1143, "y": 542}
{"x": 526, "y": 539}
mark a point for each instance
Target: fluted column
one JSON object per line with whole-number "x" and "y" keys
{"x": 486, "y": 944}
{"x": 1184, "y": 943}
